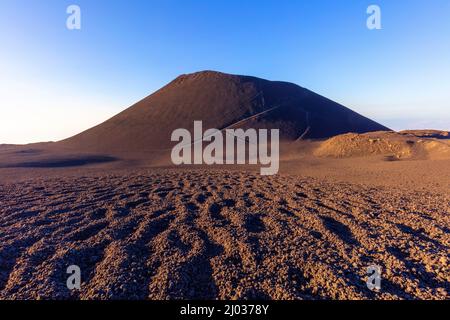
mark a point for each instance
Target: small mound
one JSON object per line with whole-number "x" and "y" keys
{"x": 393, "y": 146}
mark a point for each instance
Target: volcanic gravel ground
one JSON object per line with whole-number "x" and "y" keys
{"x": 205, "y": 234}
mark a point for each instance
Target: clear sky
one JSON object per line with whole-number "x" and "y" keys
{"x": 56, "y": 82}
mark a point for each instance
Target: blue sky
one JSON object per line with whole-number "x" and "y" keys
{"x": 56, "y": 82}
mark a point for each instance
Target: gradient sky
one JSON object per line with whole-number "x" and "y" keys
{"x": 55, "y": 82}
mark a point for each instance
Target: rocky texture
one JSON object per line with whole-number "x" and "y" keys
{"x": 206, "y": 234}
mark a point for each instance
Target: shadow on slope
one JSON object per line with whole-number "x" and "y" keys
{"x": 60, "y": 162}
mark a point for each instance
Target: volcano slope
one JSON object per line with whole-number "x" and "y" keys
{"x": 143, "y": 131}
